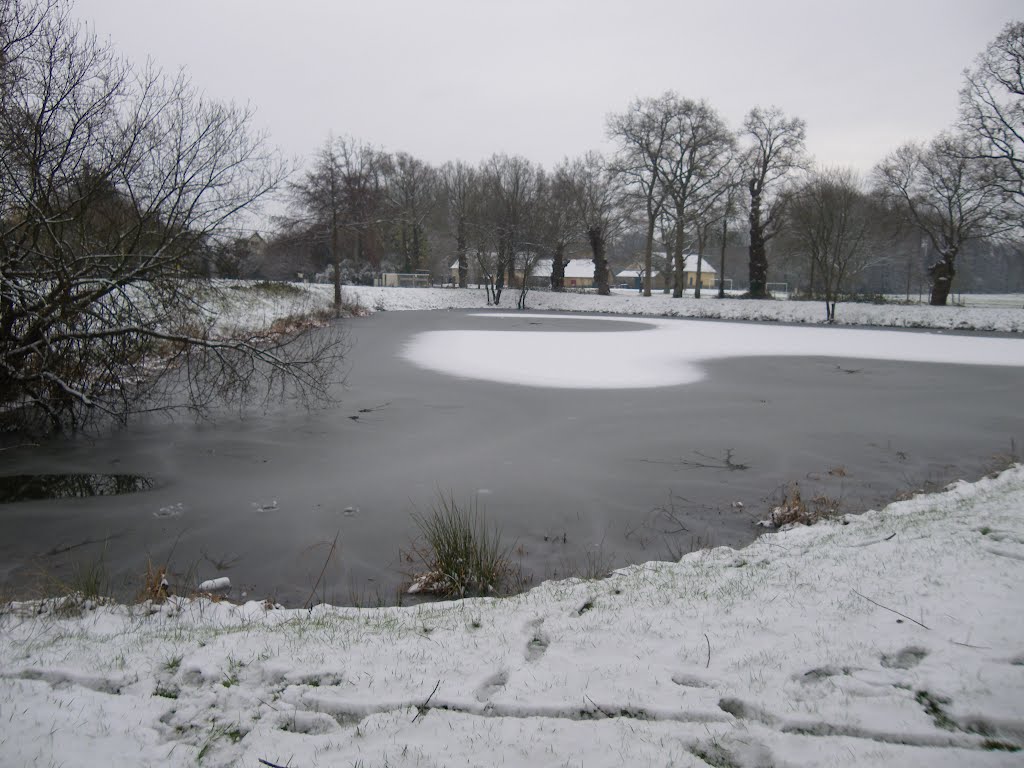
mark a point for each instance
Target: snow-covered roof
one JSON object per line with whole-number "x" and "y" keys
{"x": 690, "y": 264}
{"x": 579, "y": 268}
{"x": 631, "y": 273}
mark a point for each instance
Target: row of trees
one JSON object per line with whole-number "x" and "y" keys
{"x": 683, "y": 181}
{"x": 357, "y": 205}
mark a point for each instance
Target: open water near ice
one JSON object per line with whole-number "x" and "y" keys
{"x": 580, "y": 480}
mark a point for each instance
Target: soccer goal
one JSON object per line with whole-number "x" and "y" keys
{"x": 778, "y": 290}
{"x": 404, "y": 280}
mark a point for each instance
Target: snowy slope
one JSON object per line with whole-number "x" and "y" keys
{"x": 894, "y": 638}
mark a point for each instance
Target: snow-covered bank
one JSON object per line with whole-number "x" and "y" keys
{"x": 1008, "y": 318}
{"x": 891, "y": 638}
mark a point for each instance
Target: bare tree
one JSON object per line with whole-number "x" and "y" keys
{"x": 508, "y": 194}
{"x": 412, "y": 188}
{"x": 948, "y": 194}
{"x": 730, "y": 206}
{"x": 696, "y": 160}
{"x": 831, "y": 223}
{"x": 715, "y": 204}
{"x": 556, "y": 219}
{"x": 320, "y": 200}
{"x": 459, "y": 182}
{"x": 595, "y": 198}
{"x": 642, "y": 135}
{"x": 113, "y": 184}
{"x": 774, "y": 150}
{"x": 339, "y": 200}
{"x": 992, "y": 109}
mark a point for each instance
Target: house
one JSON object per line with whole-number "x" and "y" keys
{"x": 633, "y": 278}
{"x": 707, "y": 272}
{"x": 579, "y": 273}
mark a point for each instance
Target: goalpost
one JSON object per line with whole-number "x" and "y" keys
{"x": 778, "y": 290}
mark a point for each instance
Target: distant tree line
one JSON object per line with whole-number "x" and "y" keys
{"x": 679, "y": 181}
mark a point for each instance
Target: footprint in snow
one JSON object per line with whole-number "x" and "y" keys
{"x": 907, "y": 658}
{"x": 492, "y": 685}
{"x": 689, "y": 681}
{"x": 538, "y": 642}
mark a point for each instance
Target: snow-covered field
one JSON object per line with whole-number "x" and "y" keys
{"x": 1007, "y": 316}
{"x": 894, "y": 638}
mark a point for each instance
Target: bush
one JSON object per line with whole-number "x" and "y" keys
{"x": 794, "y": 510}
{"x": 271, "y": 288}
{"x": 459, "y": 553}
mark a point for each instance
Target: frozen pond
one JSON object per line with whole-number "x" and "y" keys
{"x": 610, "y": 422}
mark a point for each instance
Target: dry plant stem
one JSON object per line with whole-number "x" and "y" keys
{"x": 874, "y": 602}
{"x": 330, "y": 554}
{"x": 267, "y": 762}
{"x": 604, "y": 712}
{"x": 708, "y": 665}
{"x": 425, "y": 706}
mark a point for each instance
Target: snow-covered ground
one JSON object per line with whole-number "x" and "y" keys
{"x": 1008, "y": 315}
{"x": 894, "y": 638}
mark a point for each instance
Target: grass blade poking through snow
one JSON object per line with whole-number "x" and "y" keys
{"x": 458, "y": 552}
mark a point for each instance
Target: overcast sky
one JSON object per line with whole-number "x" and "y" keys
{"x": 462, "y": 79}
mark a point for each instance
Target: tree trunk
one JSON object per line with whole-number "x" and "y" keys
{"x": 942, "y": 273}
{"x": 721, "y": 259}
{"x": 460, "y": 248}
{"x": 700, "y": 260}
{"x": 648, "y": 248}
{"x": 679, "y": 271}
{"x": 758, "y": 253}
{"x": 415, "y": 247}
{"x": 505, "y": 259}
{"x": 558, "y": 268}
{"x": 336, "y": 262}
{"x": 597, "y": 246}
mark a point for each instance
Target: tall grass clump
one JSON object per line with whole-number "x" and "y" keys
{"x": 459, "y": 553}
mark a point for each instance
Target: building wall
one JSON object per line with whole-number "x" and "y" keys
{"x": 579, "y": 282}
{"x": 707, "y": 279}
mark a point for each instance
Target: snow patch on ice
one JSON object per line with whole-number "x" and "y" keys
{"x": 671, "y": 352}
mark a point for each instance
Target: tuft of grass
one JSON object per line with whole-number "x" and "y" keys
{"x": 155, "y": 586}
{"x": 234, "y": 667}
{"x": 459, "y": 553}
{"x": 90, "y": 580}
{"x": 934, "y": 707}
{"x": 794, "y": 510}
{"x": 993, "y": 745}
